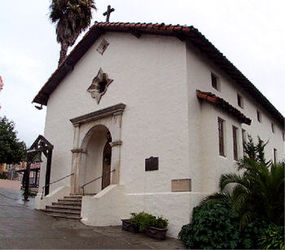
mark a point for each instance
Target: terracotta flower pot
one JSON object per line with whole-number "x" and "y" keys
{"x": 157, "y": 233}
{"x": 127, "y": 226}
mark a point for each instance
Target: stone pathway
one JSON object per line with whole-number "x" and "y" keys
{"x": 23, "y": 227}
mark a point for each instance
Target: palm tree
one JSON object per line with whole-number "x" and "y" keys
{"x": 71, "y": 18}
{"x": 257, "y": 191}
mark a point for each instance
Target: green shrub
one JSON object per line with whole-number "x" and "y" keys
{"x": 142, "y": 220}
{"x": 214, "y": 225}
{"x": 272, "y": 238}
{"x": 250, "y": 234}
{"x": 161, "y": 222}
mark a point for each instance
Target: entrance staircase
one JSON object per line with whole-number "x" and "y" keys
{"x": 69, "y": 208}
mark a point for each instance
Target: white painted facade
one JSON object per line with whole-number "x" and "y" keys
{"x": 156, "y": 77}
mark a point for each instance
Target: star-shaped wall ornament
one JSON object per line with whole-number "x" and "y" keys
{"x": 99, "y": 85}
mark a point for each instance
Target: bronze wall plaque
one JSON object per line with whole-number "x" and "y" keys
{"x": 181, "y": 185}
{"x": 151, "y": 164}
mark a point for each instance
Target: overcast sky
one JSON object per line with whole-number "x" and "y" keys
{"x": 250, "y": 33}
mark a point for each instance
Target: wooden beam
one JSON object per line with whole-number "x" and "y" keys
{"x": 180, "y": 36}
{"x": 27, "y": 181}
{"x": 48, "y": 168}
{"x": 136, "y": 33}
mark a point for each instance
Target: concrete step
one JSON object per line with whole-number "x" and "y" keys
{"x": 76, "y": 208}
{"x": 79, "y": 197}
{"x": 69, "y": 207}
{"x": 66, "y": 216}
{"x": 63, "y": 211}
{"x": 72, "y": 199}
{"x": 69, "y": 201}
{"x": 86, "y": 194}
{"x": 66, "y": 203}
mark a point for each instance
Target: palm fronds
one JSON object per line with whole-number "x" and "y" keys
{"x": 216, "y": 197}
{"x": 71, "y": 18}
{"x": 257, "y": 190}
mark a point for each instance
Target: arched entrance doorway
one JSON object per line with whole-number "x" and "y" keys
{"x": 95, "y": 167}
{"x": 106, "y": 173}
{"x": 91, "y": 132}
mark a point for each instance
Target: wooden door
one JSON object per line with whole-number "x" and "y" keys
{"x": 106, "y": 175}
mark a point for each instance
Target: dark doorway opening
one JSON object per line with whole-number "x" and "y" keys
{"x": 106, "y": 171}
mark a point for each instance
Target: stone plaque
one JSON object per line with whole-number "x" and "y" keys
{"x": 151, "y": 164}
{"x": 181, "y": 185}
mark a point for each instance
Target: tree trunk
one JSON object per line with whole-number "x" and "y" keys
{"x": 63, "y": 52}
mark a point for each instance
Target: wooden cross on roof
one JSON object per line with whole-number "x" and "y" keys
{"x": 108, "y": 13}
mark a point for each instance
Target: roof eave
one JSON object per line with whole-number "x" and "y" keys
{"x": 211, "y": 52}
{"x": 223, "y": 105}
{"x": 67, "y": 65}
{"x": 181, "y": 32}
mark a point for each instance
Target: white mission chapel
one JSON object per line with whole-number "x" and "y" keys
{"x": 147, "y": 117}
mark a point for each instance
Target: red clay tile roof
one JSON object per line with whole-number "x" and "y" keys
{"x": 187, "y": 33}
{"x": 224, "y": 105}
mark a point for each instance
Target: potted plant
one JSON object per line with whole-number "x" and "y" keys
{"x": 143, "y": 220}
{"x": 146, "y": 223}
{"x": 129, "y": 225}
{"x": 158, "y": 229}
{"x": 138, "y": 222}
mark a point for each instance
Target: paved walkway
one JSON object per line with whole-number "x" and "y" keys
{"x": 9, "y": 184}
{"x": 23, "y": 227}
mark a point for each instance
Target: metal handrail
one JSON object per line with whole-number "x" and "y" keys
{"x": 97, "y": 178}
{"x": 53, "y": 183}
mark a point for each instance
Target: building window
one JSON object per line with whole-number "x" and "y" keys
{"x": 272, "y": 127}
{"x": 258, "y": 114}
{"x": 235, "y": 145}
{"x": 243, "y": 137}
{"x": 221, "y": 123}
{"x": 102, "y": 46}
{"x": 275, "y": 155}
{"x": 215, "y": 81}
{"x": 240, "y": 100}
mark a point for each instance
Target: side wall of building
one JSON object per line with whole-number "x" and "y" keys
{"x": 203, "y": 124}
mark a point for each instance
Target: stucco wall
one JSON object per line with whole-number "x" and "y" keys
{"x": 42, "y": 201}
{"x": 149, "y": 77}
{"x": 206, "y": 163}
{"x": 176, "y": 207}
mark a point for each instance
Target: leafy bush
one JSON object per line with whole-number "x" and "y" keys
{"x": 251, "y": 233}
{"x": 247, "y": 214}
{"x": 272, "y": 238}
{"x": 257, "y": 190}
{"x": 161, "y": 222}
{"x": 142, "y": 220}
{"x": 11, "y": 149}
{"x": 214, "y": 225}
